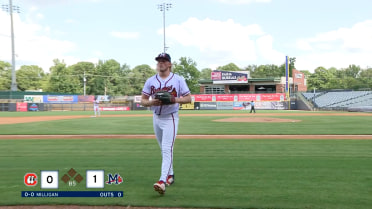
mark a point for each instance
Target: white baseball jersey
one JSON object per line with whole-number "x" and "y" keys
{"x": 174, "y": 84}
{"x": 96, "y": 107}
{"x": 96, "y": 103}
{"x": 165, "y": 119}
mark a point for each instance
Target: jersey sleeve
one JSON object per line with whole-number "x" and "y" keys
{"x": 184, "y": 89}
{"x": 146, "y": 88}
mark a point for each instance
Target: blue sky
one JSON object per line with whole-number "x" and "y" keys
{"x": 213, "y": 33}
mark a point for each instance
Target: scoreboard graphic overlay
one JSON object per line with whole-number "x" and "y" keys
{"x": 50, "y": 180}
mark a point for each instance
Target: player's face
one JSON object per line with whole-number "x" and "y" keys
{"x": 163, "y": 65}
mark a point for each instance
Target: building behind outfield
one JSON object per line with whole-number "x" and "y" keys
{"x": 236, "y": 82}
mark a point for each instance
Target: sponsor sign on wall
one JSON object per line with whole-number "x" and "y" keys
{"x": 189, "y": 106}
{"x": 33, "y": 98}
{"x": 238, "y": 97}
{"x": 21, "y": 107}
{"x": 88, "y": 99}
{"x": 137, "y": 99}
{"x": 103, "y": 98}
{"x": 225, "y": 105}
{"x": 238, "y": 106}
{"x": 114, "y": 108}
{"x": 34, "y": 107}
{"x": 219, "y": 77}
{"x": 60, "y": 98}
{"x": 208, "y": 106}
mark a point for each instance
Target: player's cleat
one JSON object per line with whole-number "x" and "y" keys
{"x": 170, "y": 180}
{"x": 160, "y": 187}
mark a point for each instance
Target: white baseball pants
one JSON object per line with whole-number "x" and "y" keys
{"x": 165, "y": 128}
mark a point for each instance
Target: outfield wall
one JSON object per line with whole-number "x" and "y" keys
{"x": 270, "y": 101}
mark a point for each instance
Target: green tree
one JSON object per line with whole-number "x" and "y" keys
{"x": 187, "y": 69}
{"x": 108, "y": 75}
{"x": 320, "y": 78}
{"x": 62, "y": 79}
{"x": 79, "y": 69}
{"x": 365, "y": 79}
{"x": 267, "y": 71}
{"x": 206, "y": 74}
{"x": 30, "y": 77}
{"x": 291, "y": 65}
{"x": 306, "y": 73}
{"x": 229, "y": 67}
{"x": 136, "y": 79}
{"x": 352, "y": 71}
{"x": 5, "y": 75}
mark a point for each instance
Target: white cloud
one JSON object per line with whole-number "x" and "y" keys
{"x": 70, "y": 21}
{"x": 243, "y": 1}
{"x": 40, "y": 16}
{"x": 125, "y": 35}
{"x": 266, "y": 51}
{"x": 337, "y": 48}
{"x": 222, "y": 42}
{"x": 97, "y": 53}
{"x": 32, "y": 45}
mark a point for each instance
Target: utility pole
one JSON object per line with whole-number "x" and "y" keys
{"x": 85, "y": 81}
{"x": 164, "y": 7}
{"x": 10, "y": 8}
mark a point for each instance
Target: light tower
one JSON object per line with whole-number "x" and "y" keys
{"x": 164, "y": 7}
{"x": 10, "y": 8}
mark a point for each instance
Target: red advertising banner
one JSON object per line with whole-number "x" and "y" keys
{"x": 239, "y": 97}
{"x": 248, "y": 97}
{"x": 21, "y": 106}
{"x": 226, "y": 97}
{"x": 202, "y": 97}
{"x": 114, "y": 108}
{"x": 216, "y": 75}
{"x": 273, "y": 97}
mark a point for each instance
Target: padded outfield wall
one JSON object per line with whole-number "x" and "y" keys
{"x": 60, "y": 102}
{"x": 269, "y": 101}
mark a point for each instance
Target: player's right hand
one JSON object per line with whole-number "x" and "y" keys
{"x": 155, "y": 102}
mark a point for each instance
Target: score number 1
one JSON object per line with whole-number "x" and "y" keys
{"x": 95, "y": 178}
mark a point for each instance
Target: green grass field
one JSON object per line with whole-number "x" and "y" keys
{"x": 212, "y": 173}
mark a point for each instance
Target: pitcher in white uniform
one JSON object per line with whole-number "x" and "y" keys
{"x": 165, "y": 117}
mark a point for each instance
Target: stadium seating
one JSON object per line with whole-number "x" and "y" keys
{"x": 340, "y": 99}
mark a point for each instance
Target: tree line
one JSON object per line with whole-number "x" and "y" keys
{"x": 109, "y": 77}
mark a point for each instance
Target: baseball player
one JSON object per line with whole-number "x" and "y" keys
{"x": 97, "y": 111}
{"x": 167, "y": 90}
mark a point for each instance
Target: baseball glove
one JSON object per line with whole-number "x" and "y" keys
{"x": 165, "y": 97}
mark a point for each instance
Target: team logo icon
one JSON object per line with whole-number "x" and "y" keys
{"x": 72, "y": 177}
{"x": 30, "y": 179}
{"x": 114, "y": 179}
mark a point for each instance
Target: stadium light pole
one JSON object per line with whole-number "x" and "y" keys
{"x": 164, "y": 7}
{"x": 10, "y": 8}
{"x": 85, "y": 81}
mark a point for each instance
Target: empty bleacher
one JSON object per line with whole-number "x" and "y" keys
{"x": 340, "y": 99}
{"x": 309, "y": 96}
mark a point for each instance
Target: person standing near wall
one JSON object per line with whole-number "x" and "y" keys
{"x": 97, "y": 111}
{"x": 252, "y": 107}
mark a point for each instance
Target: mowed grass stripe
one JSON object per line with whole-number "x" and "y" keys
{"x": 209, "y": 173}
{"x": 344, "y": 125}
